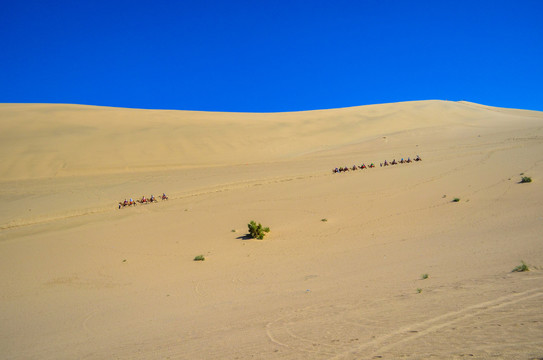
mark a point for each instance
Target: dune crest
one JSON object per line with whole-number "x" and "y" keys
{"x": 50, "y": 140}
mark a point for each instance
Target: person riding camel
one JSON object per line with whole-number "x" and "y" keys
{"x": 143, "y": 199}
{"x": 125, "y": 202}
{"x": 153, "y": 198}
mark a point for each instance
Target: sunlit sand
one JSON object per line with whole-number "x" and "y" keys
{"x": 339, "y": 275}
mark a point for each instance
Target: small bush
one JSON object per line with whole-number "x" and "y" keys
{"x": 521, "y": 268}
{"x": 424, "y": 276}
{"x": 199, "y": 258}
{"x": 324, "y": 220}
{"x": 525, "y": 179}
{"x": 419, "y": 290}
{"x": 456, "y": 199}
{"x": 257, "y": 231}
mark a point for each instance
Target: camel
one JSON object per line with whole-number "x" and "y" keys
{"x": 144, "y": 200}
{"x": 126, "y": 203}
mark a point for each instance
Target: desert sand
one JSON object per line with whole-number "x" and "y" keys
{"x": 339, "y": 276}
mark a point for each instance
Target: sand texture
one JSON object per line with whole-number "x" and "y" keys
{"x": 339, "y": 276}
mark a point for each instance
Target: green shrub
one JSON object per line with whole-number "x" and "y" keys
{"x": 324, "y": 220}
{"x": 199, "y": 258}
{"x": 526, "y": 179}
{"x": 256, "y": 230}
{"x": 456, "y": 199}
{"x": 419, "y": 290}
{"x": 521, "y": 268}
{"x": 424, "y": 276}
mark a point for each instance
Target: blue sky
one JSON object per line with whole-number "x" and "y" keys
{"x": 270, "y": 56}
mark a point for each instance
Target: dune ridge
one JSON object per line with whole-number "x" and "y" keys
{"x": 49, "y": 140}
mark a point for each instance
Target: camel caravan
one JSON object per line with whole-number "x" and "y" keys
{"x": 386, "y": 163}
{"x": 142, "y": 201}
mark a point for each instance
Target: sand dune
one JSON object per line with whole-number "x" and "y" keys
{"x": 83, "y": 279}
{"x": 43, "y": 141}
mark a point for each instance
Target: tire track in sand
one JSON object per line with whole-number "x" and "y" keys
{"x": 294, "y": 342}
{"x": 280, "y": 333}
{"x": 417, "y": 330}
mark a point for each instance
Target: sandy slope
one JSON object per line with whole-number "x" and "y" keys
{"x": 82, "y": 279}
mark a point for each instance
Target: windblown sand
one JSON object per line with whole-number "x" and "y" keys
{"x": 338, "y": 277}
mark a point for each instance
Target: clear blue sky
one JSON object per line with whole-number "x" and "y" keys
{"x": 268, "y": 56}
